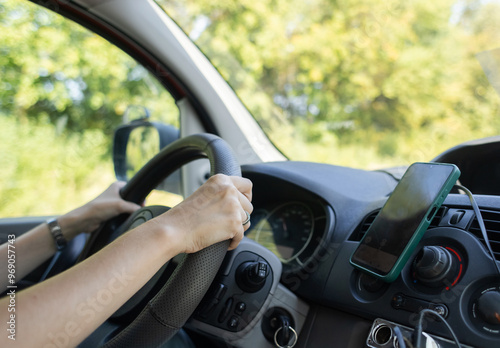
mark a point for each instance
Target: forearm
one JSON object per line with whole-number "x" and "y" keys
{"x": 34, "y": 247}
{"x": 74, "y": 303}
{"x": 71, "y": 305}
{"x": 37, "y": 245}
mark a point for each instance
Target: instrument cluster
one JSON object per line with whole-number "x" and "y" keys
{"x": 292, "y": 230}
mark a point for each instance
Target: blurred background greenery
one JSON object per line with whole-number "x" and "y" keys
{"x": 362, "y": 83}
{"x": 63, "y": 90}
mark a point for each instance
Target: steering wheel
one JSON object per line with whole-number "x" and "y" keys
{"x": 170, "y": 308}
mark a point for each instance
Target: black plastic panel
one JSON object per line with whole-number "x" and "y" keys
{"x": 226, "y": 305}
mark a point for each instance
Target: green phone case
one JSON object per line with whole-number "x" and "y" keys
{"x": 417, "y": 235}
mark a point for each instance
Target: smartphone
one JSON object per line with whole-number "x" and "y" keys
{"x": 404, "y": 218}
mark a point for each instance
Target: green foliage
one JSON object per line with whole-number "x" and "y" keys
{"x": 364, "y": 83}
{"x": 55, "y": 71}
{"x": 45, "y": 173}
{"x": 63, "y": 90}
{"x": 363, "y": 76}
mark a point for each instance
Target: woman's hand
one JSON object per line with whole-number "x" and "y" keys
{"x": 213, "y": 213}
{"x": 37, "y": 245}
{"x": 88, "y": 217}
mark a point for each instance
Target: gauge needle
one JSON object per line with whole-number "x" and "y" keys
{"x": 285, "y": 230}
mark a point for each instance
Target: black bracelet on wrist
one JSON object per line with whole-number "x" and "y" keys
{"x": 56, "y": 232}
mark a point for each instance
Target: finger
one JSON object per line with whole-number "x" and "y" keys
{"x": 115, "y": 187}
{"x": 243, "y": 185}
{"x": 235, "y": 241}
{"x": 245, "y": 203}
{"x": 128, "y": 207}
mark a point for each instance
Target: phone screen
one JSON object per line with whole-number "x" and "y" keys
{"x": 407, "y": 211}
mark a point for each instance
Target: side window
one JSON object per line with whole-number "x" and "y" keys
{"x": 63, "y": 90}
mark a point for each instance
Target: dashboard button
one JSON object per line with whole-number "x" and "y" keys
{"x": 240, "y": 307}
{"x": 233, "y": 322}
{"x": 225, "y": 311}
{"x": 216, "y": 296}
{"x": 220, "y": 290}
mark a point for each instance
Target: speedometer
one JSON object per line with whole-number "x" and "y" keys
{"x": 291, "y": 226}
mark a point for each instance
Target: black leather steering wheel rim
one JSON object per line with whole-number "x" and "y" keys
{"x": 168, "y": 311}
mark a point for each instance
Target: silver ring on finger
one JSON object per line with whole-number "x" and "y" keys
{"x": 247, "y": 220}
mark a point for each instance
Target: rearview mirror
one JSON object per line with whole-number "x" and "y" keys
{"x": 135, "y": 143}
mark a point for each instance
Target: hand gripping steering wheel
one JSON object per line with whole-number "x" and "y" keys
{"x": 167, "y": 312}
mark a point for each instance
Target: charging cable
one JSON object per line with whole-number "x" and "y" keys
{"x": 481, "y": 223}
{"x": 399, "y": 337}
{"x": 417, "y": 334}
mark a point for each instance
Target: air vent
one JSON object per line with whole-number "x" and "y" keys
{"x": 437, "y": 218}
{"x": 363, "y": 227}
{"x": 492, "y": 223}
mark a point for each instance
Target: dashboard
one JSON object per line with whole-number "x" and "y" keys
{"x": 292, "y": 226}
{"x": 312, "y": 216}
{"x": 308, "y": 219}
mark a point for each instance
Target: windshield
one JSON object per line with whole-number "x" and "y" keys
{"x": 361, "y": 83}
